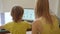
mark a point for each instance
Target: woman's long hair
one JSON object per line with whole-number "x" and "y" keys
{"x": 17, "y": 13}
{"x": 42, "y": 9}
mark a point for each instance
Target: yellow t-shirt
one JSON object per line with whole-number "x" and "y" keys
{"x": 47, "y": 27}
{"x": 17, "y": 28}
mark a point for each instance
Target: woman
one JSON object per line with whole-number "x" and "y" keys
{"x": 45, "y": 23}
{"x": 17, "y": 26}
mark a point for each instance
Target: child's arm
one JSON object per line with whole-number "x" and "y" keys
{"x": 5, "y": 26}
{"x": 29, "y": 27}
{"x": 2, "y": 30}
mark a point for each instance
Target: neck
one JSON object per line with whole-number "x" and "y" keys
{"x": 19, "y": 21}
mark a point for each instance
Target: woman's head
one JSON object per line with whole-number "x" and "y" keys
{"x": 42, "y": 9}
{"x": 17, "y": 13}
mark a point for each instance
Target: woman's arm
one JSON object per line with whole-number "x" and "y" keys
{"x": 37, "y": 27}
{"x": 34, "y": 28}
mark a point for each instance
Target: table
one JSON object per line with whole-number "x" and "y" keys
{"x": 4, "y": 32}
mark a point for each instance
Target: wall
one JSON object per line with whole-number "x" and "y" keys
{"x": 58, "y": 13}
{"x": 54, "y": 5}
{"x": 8, "y": 4}
{"x": 1, "y": 6}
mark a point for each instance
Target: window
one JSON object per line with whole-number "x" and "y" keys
{"x": 0, "y": 19}
{"x": 8, "y": 17}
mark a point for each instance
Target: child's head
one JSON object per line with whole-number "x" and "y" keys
{"x": 17, "y": 13}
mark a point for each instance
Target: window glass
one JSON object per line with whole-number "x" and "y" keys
{"x": 0, "y": 19}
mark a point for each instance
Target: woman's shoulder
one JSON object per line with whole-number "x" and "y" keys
{"x": 41, "y": 18}
{"x": 38, "y": 21}
{"x": 54, "y": 16}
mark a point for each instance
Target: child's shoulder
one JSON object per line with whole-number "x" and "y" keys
{"x": 24, "y": 22}
{"x": 9, "y": 23}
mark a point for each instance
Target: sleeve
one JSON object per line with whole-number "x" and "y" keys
{"x": 28, "y": 25}
{"x": 7, "y": 26}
